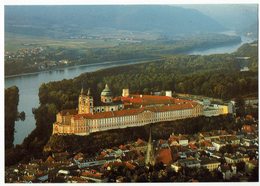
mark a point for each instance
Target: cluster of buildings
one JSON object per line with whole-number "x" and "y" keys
{"x": 37, "y": 56}
{"x": 24, "y": 52}
{"x": 129, "y": 110}
{"x": 21, "y": 53}
{"x": 209, "y": 150}
{"x": 202, "y": 150}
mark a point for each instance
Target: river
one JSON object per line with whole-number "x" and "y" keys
{"x": 29, "y": 84}
{"x": 222, "y": 49}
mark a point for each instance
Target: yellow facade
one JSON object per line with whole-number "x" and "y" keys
{"x": 212, "y": 166}
{"x": 84, "y": 126}
{"x": 113, "y": 115}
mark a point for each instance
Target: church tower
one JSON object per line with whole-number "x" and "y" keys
{"x": 85, "y": 103}
{"x": 106, "y": 95}
{"x": 149, "y": 157}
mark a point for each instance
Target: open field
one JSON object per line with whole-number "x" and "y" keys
{"x": 16, "y": 42}
{"x": 93, "y": 38}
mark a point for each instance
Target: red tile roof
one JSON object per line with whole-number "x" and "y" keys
{"x": 165, "y": 156}
{"x": 140, "y": 142}
{"x": 151, "y": 100}
{"x": 116, "y": 164}
{"x": 50, "y": 159}
{"x": 147, "y": 99}
{"x": 129, "y": 165}
{"x": 249, "y": 117}
{"x": 206, "y": 143}
{"x": 161, "y": 141}
{"x": 247, "y": 128}
{"x": 129, "y": 112}
{"x": 173, "y": 138}
{"x": 122, "y": 147}
{"x": 79, "y": 156}
{"x": 192, "y": 146}
{"x": 103, "y": 153}
{"x": 92, "y": 174}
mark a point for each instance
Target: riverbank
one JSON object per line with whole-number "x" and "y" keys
{"x": 53, "y": 58}
{"x": 29, "y": 84}
{"x": 221, "y": 49}
{"x": 85, "y": 65}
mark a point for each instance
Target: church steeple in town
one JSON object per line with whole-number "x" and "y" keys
{"x": 149, "y": 158}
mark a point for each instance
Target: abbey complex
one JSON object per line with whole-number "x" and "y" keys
{"x": 128, "y": 110}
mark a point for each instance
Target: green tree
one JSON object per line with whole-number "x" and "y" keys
{"x": 11, "y": 104}
{"x": 240, "y": 106}
{"x": 241, "y": 166}
{"x": 43, "y": 94}
{"x": 254, "y": 175}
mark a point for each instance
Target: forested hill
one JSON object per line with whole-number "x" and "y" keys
{"x": 250, "y": 50}
{"x": 52, "y": 20}
{"x": 213, "y": 75}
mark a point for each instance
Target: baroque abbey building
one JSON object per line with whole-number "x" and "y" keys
{"x": 128, "y": 110}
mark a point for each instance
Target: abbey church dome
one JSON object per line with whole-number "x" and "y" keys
{"x": 106, "y": 91}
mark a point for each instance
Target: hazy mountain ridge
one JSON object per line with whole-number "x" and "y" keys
{"x": 241, "y": 18}
{"x": 42, "y": 20}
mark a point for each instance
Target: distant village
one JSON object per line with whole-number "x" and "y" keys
{"x": 229, "y": 154}
{"x": 39, "y": 54}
